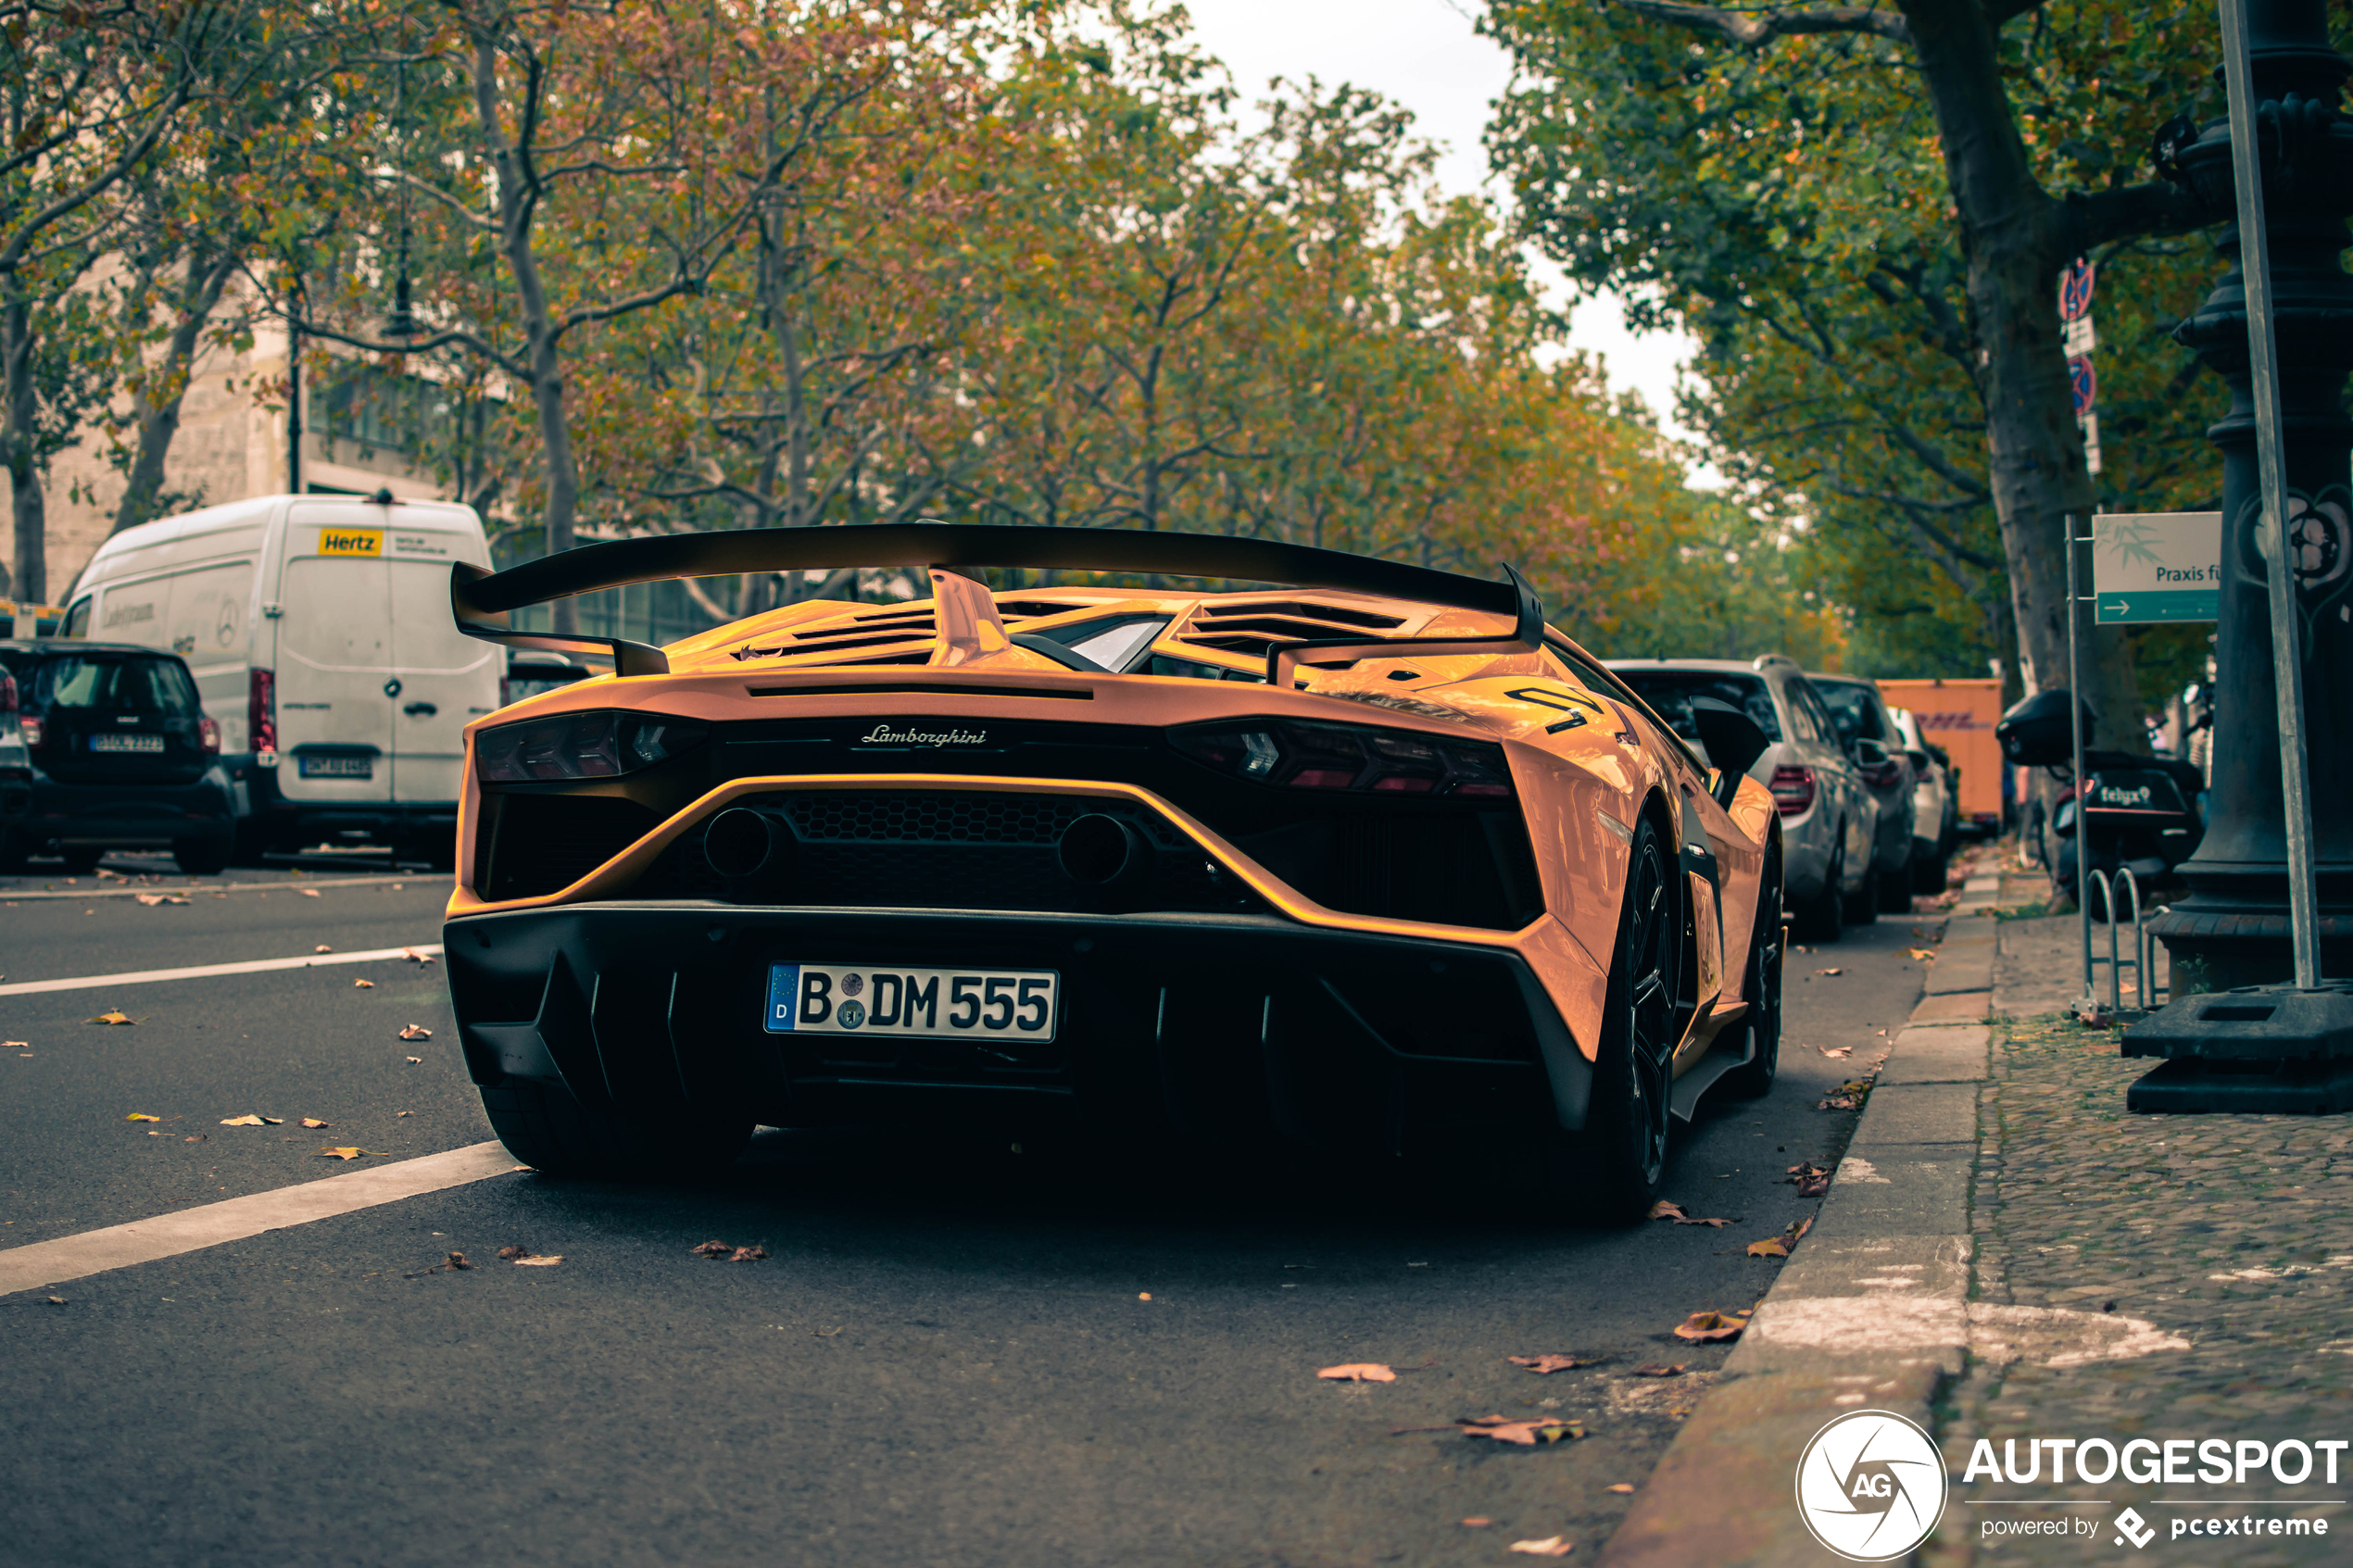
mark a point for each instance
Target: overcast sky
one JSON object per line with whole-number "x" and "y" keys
{"x": 1425, "y": 55}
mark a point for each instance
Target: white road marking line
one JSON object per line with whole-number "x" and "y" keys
{"x": 198, "y": 971}
{"x": 112, "y": 889}
{"x": 169, "y": 1236}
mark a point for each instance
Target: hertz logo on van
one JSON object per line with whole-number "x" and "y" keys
{"x": 351, "y": 541}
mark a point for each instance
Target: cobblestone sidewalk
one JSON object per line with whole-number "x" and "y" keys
{"x": 2233, "y": 1232}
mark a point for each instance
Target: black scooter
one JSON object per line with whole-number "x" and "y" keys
{"x": 2141, "y": 814}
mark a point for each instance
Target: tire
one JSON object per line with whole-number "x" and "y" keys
{"x": 1862, "y": 905}
{"x": 1929, "y": 872}
{"x": 1896, "y": 889}
{"x": 547, "y": 1128}
{"x": 1613, "y": 1170}
{"x": 1824, "y": 917}
{"x": 201, "y": 857}
{"x": 82, "y": 862}
{"x": 14, "y": 853}
{"x": 251, "y": 846}
{"x": 1762, "y": 986}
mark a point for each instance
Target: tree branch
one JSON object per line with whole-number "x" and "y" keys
{"x": 1753, "y": 29}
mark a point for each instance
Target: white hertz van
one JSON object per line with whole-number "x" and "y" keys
{"x": 318, "y": 631}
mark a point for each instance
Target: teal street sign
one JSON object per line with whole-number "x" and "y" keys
{"x": 2156, "y": 566}
{"x": 2178, "y": 604}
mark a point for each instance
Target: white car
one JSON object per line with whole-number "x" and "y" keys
{"x": 1936, "y": 819}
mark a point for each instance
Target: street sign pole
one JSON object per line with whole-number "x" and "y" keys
{"x": 2287, "y": 664}
{"x": 2075, "y": 730}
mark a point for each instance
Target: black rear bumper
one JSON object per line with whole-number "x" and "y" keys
{"x": 1210, "y": 1025}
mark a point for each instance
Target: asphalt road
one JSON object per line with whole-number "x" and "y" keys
{"x": 954, "y": 1354}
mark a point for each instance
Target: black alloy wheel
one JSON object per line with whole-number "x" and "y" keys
{"x": 1862, "y": 905}
{"x": 1622, "y": 1155}
{"x": 1895, "y": 887}
{"x": 1762, "y": 986}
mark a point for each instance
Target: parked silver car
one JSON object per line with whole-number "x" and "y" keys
{"x": 1828, "y": 819}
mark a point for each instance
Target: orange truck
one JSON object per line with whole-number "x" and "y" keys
{"x": 1960, "y": 716}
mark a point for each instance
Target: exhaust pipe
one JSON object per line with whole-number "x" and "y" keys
{"x": 1101, "y": 851}
{"x": 741, "y": 842}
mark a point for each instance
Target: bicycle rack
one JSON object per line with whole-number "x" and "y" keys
{"x": 2141, "y": 962}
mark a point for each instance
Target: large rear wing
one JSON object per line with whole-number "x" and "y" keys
{"x": 482, "y": 601}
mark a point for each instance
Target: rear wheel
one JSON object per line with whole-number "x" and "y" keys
{"x": 1929, "y": 868}
{"x": 1614, "y": 1167}
{"x": 82, "y": 862}
{"x": 545, "y": 1127}
{"x": 1762, "y": 986}
{"x": 14, "y": 853}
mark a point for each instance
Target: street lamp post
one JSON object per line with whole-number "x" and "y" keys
{"x": 2233, "y": 929}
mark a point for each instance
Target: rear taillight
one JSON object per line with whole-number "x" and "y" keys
{"x": 261, "y": 715}
{"x": 7, "y": 697}
{"x": 209, "y": 735}
{"x": 580, "y": 746}
{"x": 1350, "y": 756}
{"x": 1793, "y": 790}
{"x": 30, "y": 728}
{"x": 1885, "y": 775}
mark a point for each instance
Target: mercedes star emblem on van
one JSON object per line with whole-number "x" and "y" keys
{"x": 351, "y": 541}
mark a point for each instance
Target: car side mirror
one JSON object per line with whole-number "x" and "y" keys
{"x": 1870, "y": 753}
{"x": 1734, "y": 741}
{"x": 1920, "y": 761}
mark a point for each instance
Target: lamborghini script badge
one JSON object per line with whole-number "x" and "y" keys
{"x": 883, "y": 734}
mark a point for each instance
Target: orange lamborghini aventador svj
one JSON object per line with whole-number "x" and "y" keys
{"x": 1370, "y": 859}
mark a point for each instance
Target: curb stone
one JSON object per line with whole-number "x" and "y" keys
{"x": 1871, "y": 1311}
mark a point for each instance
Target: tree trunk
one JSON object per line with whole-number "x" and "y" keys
{"x": 200, "y": 292}
{"x": 29, "y": 506}
{"x": 2012, "y": 238}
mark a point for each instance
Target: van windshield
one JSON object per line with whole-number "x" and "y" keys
{"x": 127, "y": 682}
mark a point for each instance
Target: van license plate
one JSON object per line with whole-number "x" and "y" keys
{"x": 126, "y": 743}
{"x": 935, "y": 1004}
{"x": 338, "y": 767}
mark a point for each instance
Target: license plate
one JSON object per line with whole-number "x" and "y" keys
{"x": 952, "y": 1004}
{"x": 126, "y": 743}
{"x": 338, "y": 767}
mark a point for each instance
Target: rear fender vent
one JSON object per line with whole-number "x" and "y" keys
{"x": 542, "y": 843}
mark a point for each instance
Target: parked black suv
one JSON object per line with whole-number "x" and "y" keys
{"x": 122, "y": 757}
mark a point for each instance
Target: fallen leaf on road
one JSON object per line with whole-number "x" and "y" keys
{"x": 458, "y": 1260}
{"x": 416, "y": 1032}
{"x": 754, "y": 1254}
{"x": 1829, "y": 972}
{"x": 1712, "y": 1326}
{"x": 412, "y": 1113}
{"x": 413, "y": 1061}
{"x": 57, "y": 1301}
{"x": 1551, "y": 1362}
{"x": 308, "y": 892}
{"x": 313, "y": 1123}
{"x": 142, "y": 1116}
{"x": 1811, "y": 1180}
{"x": 1771, "y": 1246}
{"x": 1359, "y": 1372}
{"x": 323, "y": 948}
{"x": 1922, "y": 954}
{"x": 1526, "y": 1434}
{"x": 249, "y": 1119}
{"x": 152, "y": 899}
{"x": 512, "y": 1253}
{"x": 1660, "y": 1369}
{"x": 15, "y": 1045}
{"x": 1551, "y": 1546}
{"x": 712, "y": 1249}
{"x": 1836, "y": 1053}
{"x": 547, "y": 1262}
{"x": 195, "y": 1138}
{"x": 1666, "y": 1209}
{"x": 363, "y": 985}
{"x": 348, "y": 1153}
{"x": 415, "y": 956}
{"x": 1835, "y": 1102}
{"x": 1623, "y": 1489}
{"x": 1477, "y": 1521}
{"x": 111, "y": 1015}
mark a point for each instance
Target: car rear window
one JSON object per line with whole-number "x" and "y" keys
{"x": 1669, "y": 694}
{"x": 1856, "y": 704}
{"x": 126, "y": 682}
